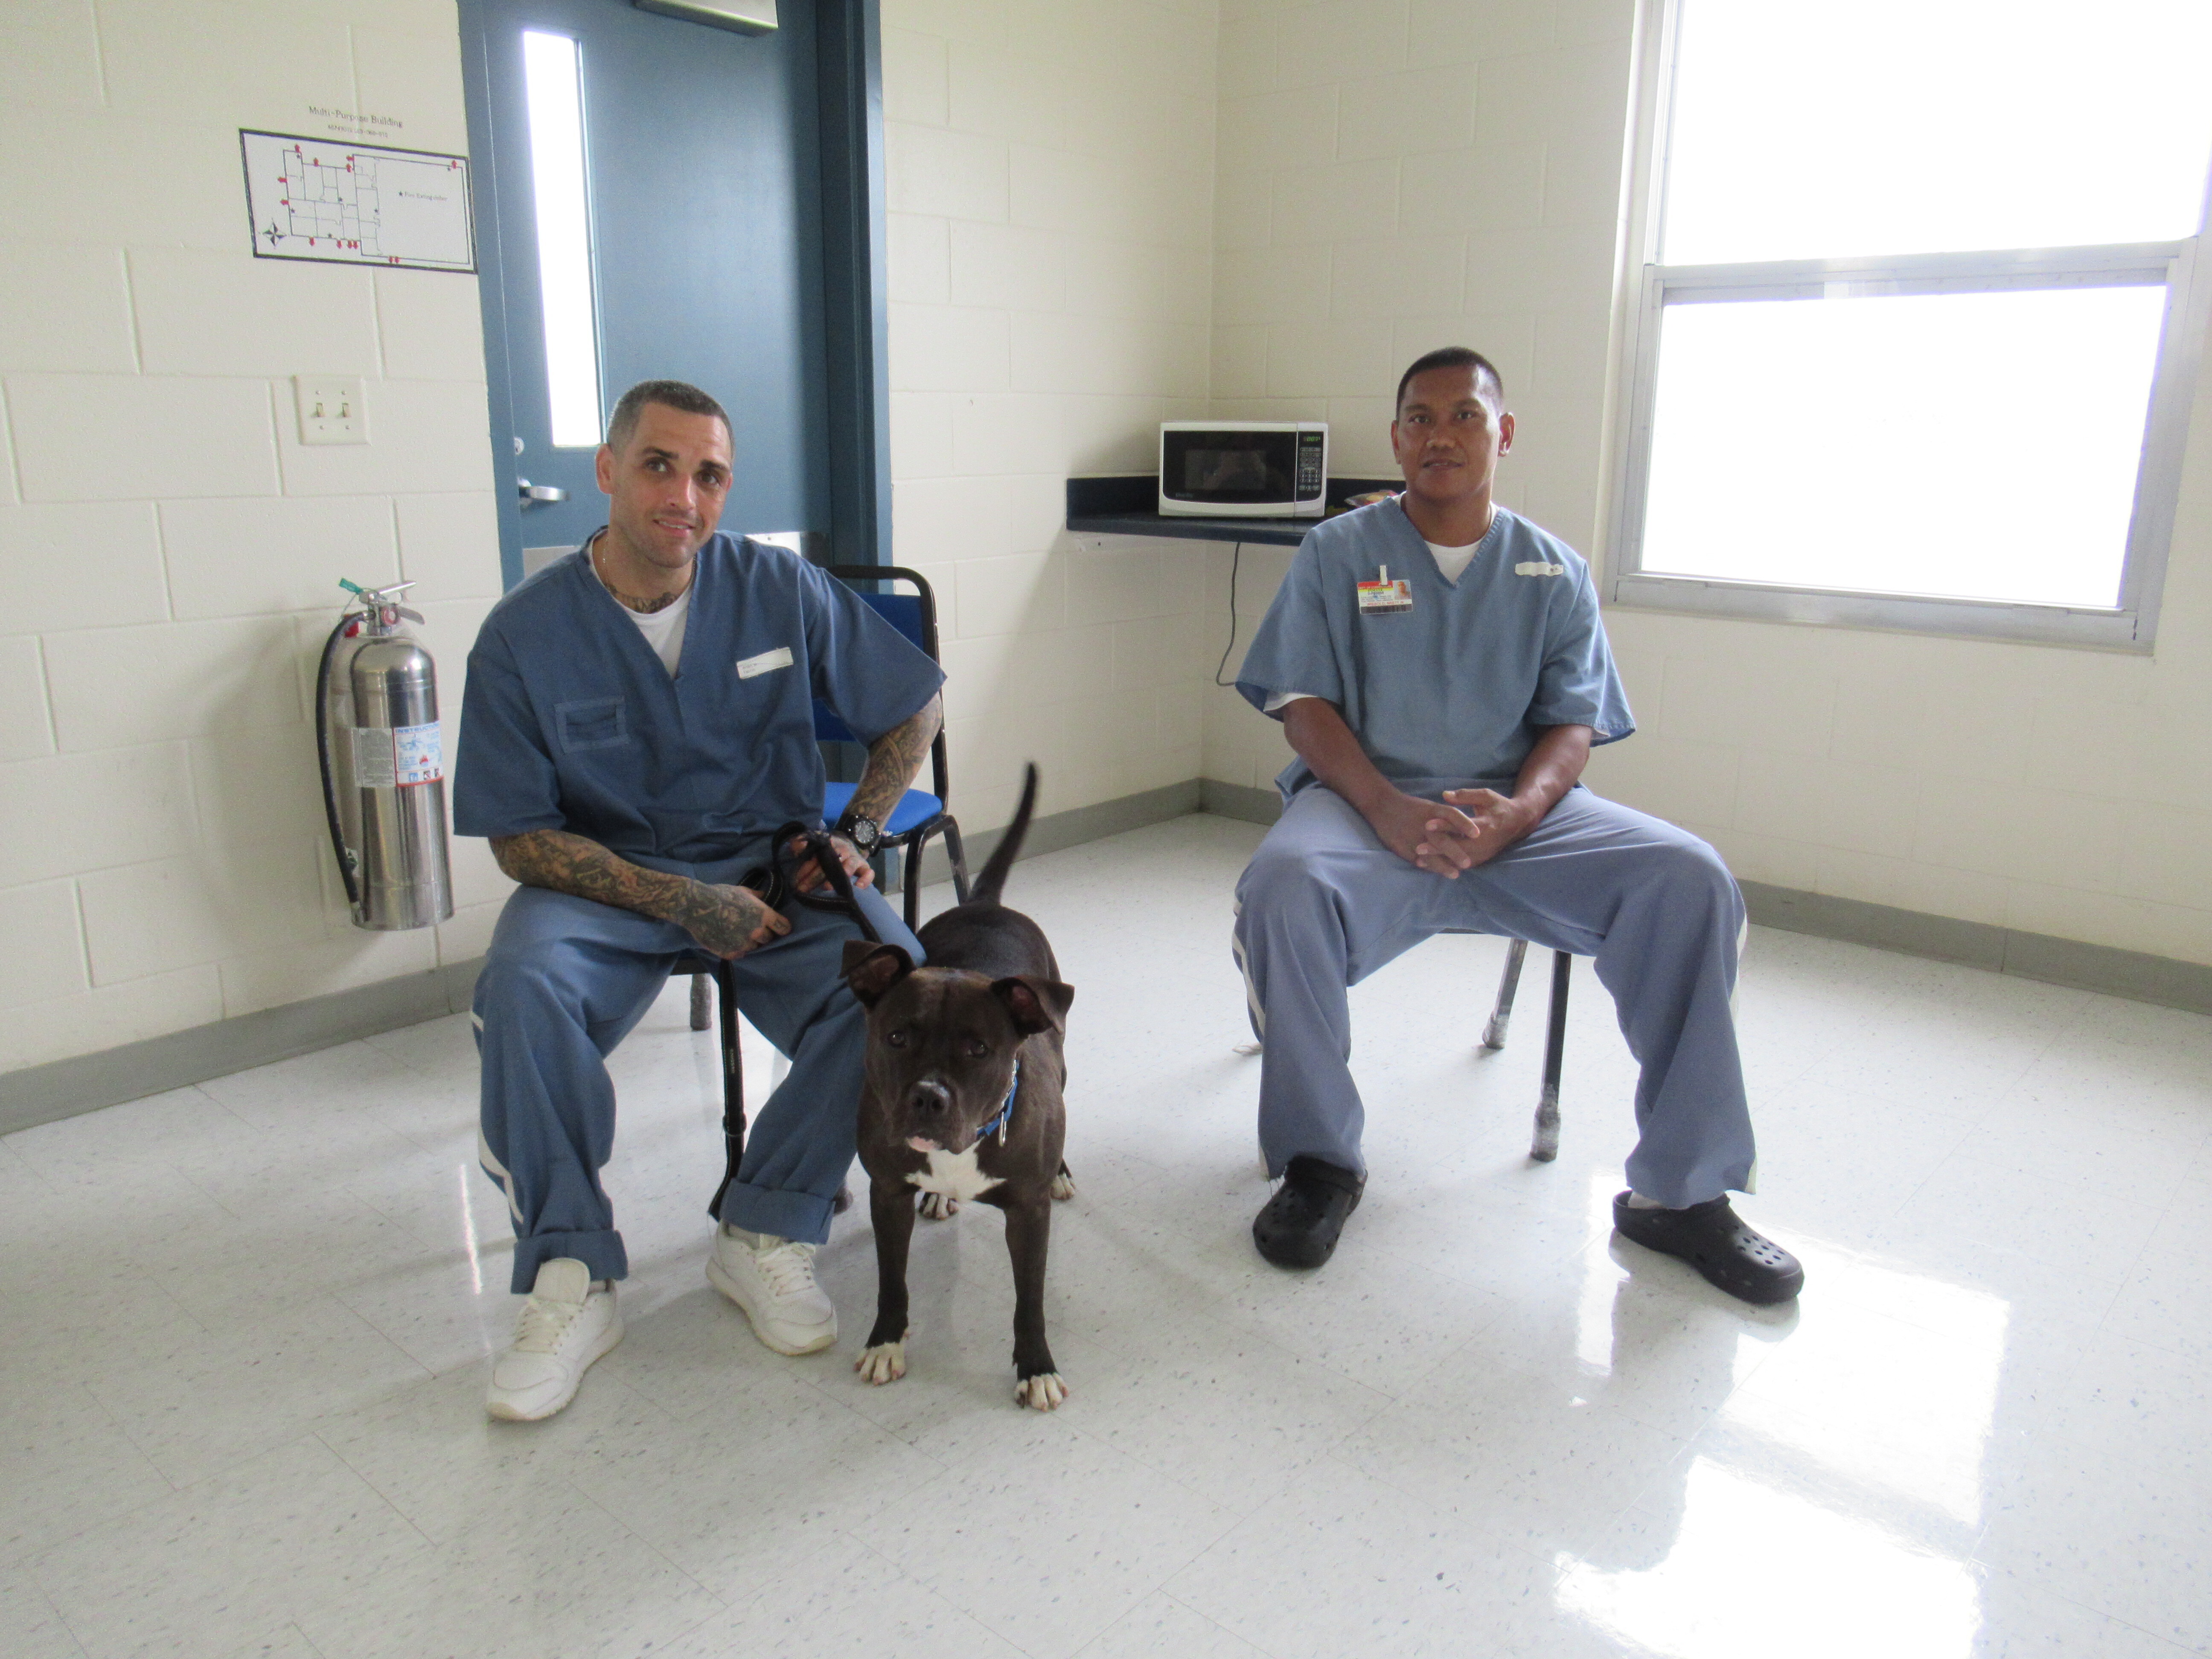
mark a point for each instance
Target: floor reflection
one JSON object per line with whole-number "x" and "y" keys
{"x": 1832, "y": 1500}
{"x": 1754, "y": 1572}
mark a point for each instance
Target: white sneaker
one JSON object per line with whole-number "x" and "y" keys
{"x": 772, "y": 1279}
{"x": 565, "y": 1325}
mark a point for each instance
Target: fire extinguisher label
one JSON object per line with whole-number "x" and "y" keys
{"x": 387, "y": 758}
{"x": 415, "y": 755}
{"x": 372, "y": 758}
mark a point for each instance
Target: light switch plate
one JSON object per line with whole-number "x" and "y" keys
{"x": 331, "y": 409}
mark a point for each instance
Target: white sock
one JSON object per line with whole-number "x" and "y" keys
{"x": 1638, "y": 1201}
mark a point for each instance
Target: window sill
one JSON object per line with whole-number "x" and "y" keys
{"x": 1978, "y": 619}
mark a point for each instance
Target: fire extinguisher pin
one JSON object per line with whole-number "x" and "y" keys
{"x": 382, "y": 600}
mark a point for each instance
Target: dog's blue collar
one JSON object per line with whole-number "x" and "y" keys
{"x": 998, "y": 1125}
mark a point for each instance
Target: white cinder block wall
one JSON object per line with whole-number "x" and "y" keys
{"x": 1051, "y": 288}
{"x": 1398, "y": 174}
{"x": 1072, "y": 262}
{"x": 169, "y": 555}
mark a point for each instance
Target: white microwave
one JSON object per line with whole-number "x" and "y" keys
{"x": 1244, "y": 469}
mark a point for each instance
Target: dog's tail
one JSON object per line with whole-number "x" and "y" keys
{"x": 992, "y": 881}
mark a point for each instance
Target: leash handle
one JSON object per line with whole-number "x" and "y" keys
{"x": 817, "y": 843}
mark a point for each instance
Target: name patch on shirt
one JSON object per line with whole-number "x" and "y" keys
{"x": 1383, "y": 596}
{"x": 767, "y": 662}
{"x": 1538, "y": 567}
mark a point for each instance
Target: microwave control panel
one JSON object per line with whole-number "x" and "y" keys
{"x": 1310, "y": 481}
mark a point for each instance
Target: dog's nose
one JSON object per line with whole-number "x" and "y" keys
{"x": 929, "y": 1096}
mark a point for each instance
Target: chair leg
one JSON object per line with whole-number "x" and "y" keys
{"x": 1546, "y": 1145}
{"x": 1493, "y": 1035}
{"x": 703, "y": 1002}
{"x": 910, "y": 877}
{"x": 733, "y": 1089}
{"x": 958, "y": 853}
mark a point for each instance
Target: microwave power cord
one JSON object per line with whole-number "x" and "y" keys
{"x": 1235, "y": 560}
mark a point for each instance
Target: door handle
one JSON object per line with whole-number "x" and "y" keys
{"x": 532, "y": 492}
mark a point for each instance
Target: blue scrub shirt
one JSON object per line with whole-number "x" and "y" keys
{"x": 1454, "y": 690}
{"x": 571, "y": 722}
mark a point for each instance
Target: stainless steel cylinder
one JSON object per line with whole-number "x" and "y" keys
{"x": 399, "y": 785}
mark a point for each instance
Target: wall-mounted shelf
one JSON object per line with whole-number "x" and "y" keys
{"x": 1127, "y": 504}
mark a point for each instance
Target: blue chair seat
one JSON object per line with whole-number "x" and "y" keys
{"x": 915, "y": 808}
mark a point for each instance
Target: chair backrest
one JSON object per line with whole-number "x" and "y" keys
{"x": 915, "y": 616}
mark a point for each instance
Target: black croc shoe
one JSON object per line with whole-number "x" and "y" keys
{"x": 1298, "y": 1227}
{"x": 1712, "y": 1238}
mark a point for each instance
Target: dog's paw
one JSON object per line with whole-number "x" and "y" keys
{"x": 1041, "y": 1392}
{"x": 1063, "y": 1185}
{"x": 884, "y": 1363}
{"x": 939, "y": 1207}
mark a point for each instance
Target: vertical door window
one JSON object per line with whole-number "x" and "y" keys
{"x": 554, "y": 88}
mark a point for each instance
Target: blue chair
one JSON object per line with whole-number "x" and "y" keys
{"x": 920, "y": 814}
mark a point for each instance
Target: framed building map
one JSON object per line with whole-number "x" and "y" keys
{"x": 347, "y": 204}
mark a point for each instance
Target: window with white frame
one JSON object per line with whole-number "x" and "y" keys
{"x": 1916, "y": 336}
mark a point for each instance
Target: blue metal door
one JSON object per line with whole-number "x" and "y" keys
{"x": 727, "y": 238}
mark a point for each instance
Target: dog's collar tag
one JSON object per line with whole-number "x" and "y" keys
{"x": 1005, "y": 1109}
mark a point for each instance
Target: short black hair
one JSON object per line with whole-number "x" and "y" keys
{"x": 1486, "y": 377}
{"x": 670, "y": 394}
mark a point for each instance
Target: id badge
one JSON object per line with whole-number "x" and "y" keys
{"x": 1383, "y": 596}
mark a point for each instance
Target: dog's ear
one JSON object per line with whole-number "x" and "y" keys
{"x": 873, "y": 970}
{"x": 1037, "y": 1005}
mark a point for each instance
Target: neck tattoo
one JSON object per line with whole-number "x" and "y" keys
{"x": 630, "y": 601}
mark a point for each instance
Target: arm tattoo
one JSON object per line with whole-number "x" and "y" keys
{"x": 894, "y": 759}
{"x": 722, "y": 919}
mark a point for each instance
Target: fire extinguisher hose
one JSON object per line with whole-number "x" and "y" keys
{"x": 323, "y": 754}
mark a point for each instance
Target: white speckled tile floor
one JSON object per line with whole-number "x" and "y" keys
{"x": 247, "y": 1323}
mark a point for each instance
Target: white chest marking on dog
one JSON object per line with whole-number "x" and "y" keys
{"x": 955, "y": 1175}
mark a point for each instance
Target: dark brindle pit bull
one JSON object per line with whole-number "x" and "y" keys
{"x": 946, "y": 1113}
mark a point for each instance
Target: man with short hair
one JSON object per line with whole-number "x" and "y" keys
{"x": 639, "y": 722}
{"x": 1439, "y": 665}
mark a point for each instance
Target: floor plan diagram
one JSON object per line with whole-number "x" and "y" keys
{"x": 351, "y": 203}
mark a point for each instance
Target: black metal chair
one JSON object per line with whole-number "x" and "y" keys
{"x": 919, "y": 814}
{"x": 1545, "y": 1144}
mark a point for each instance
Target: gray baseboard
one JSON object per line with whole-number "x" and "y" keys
{"x": 1238, "y": 800}
{"x": 62, "y": 1088}
{"x": 2136, "y": 975}
{"x": 1056, "y": 831}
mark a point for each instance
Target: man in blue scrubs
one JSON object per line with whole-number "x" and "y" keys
{"x": 639, "y": 722}
{"x": 1439, "y": 665}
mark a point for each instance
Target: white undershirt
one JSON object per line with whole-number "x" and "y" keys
{"x": 1452, "y": 561}
{"x": 662, "y": 628}
{"x": 1451, "y": 565}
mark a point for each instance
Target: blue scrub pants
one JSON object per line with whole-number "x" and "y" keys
{"x": 565, "y": 981}
{"x": 1324, "y": 903}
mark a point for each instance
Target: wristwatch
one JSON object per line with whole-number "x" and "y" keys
{"x": 863, "y": 832}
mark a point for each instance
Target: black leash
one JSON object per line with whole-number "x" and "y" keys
{"x": 778, "y": 890}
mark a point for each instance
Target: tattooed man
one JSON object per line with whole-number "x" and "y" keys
{"x": 639, "y": 720}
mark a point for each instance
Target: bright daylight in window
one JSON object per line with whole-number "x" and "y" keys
{"x": 555, "y": 91}
{"x": 1914, "y": 340}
